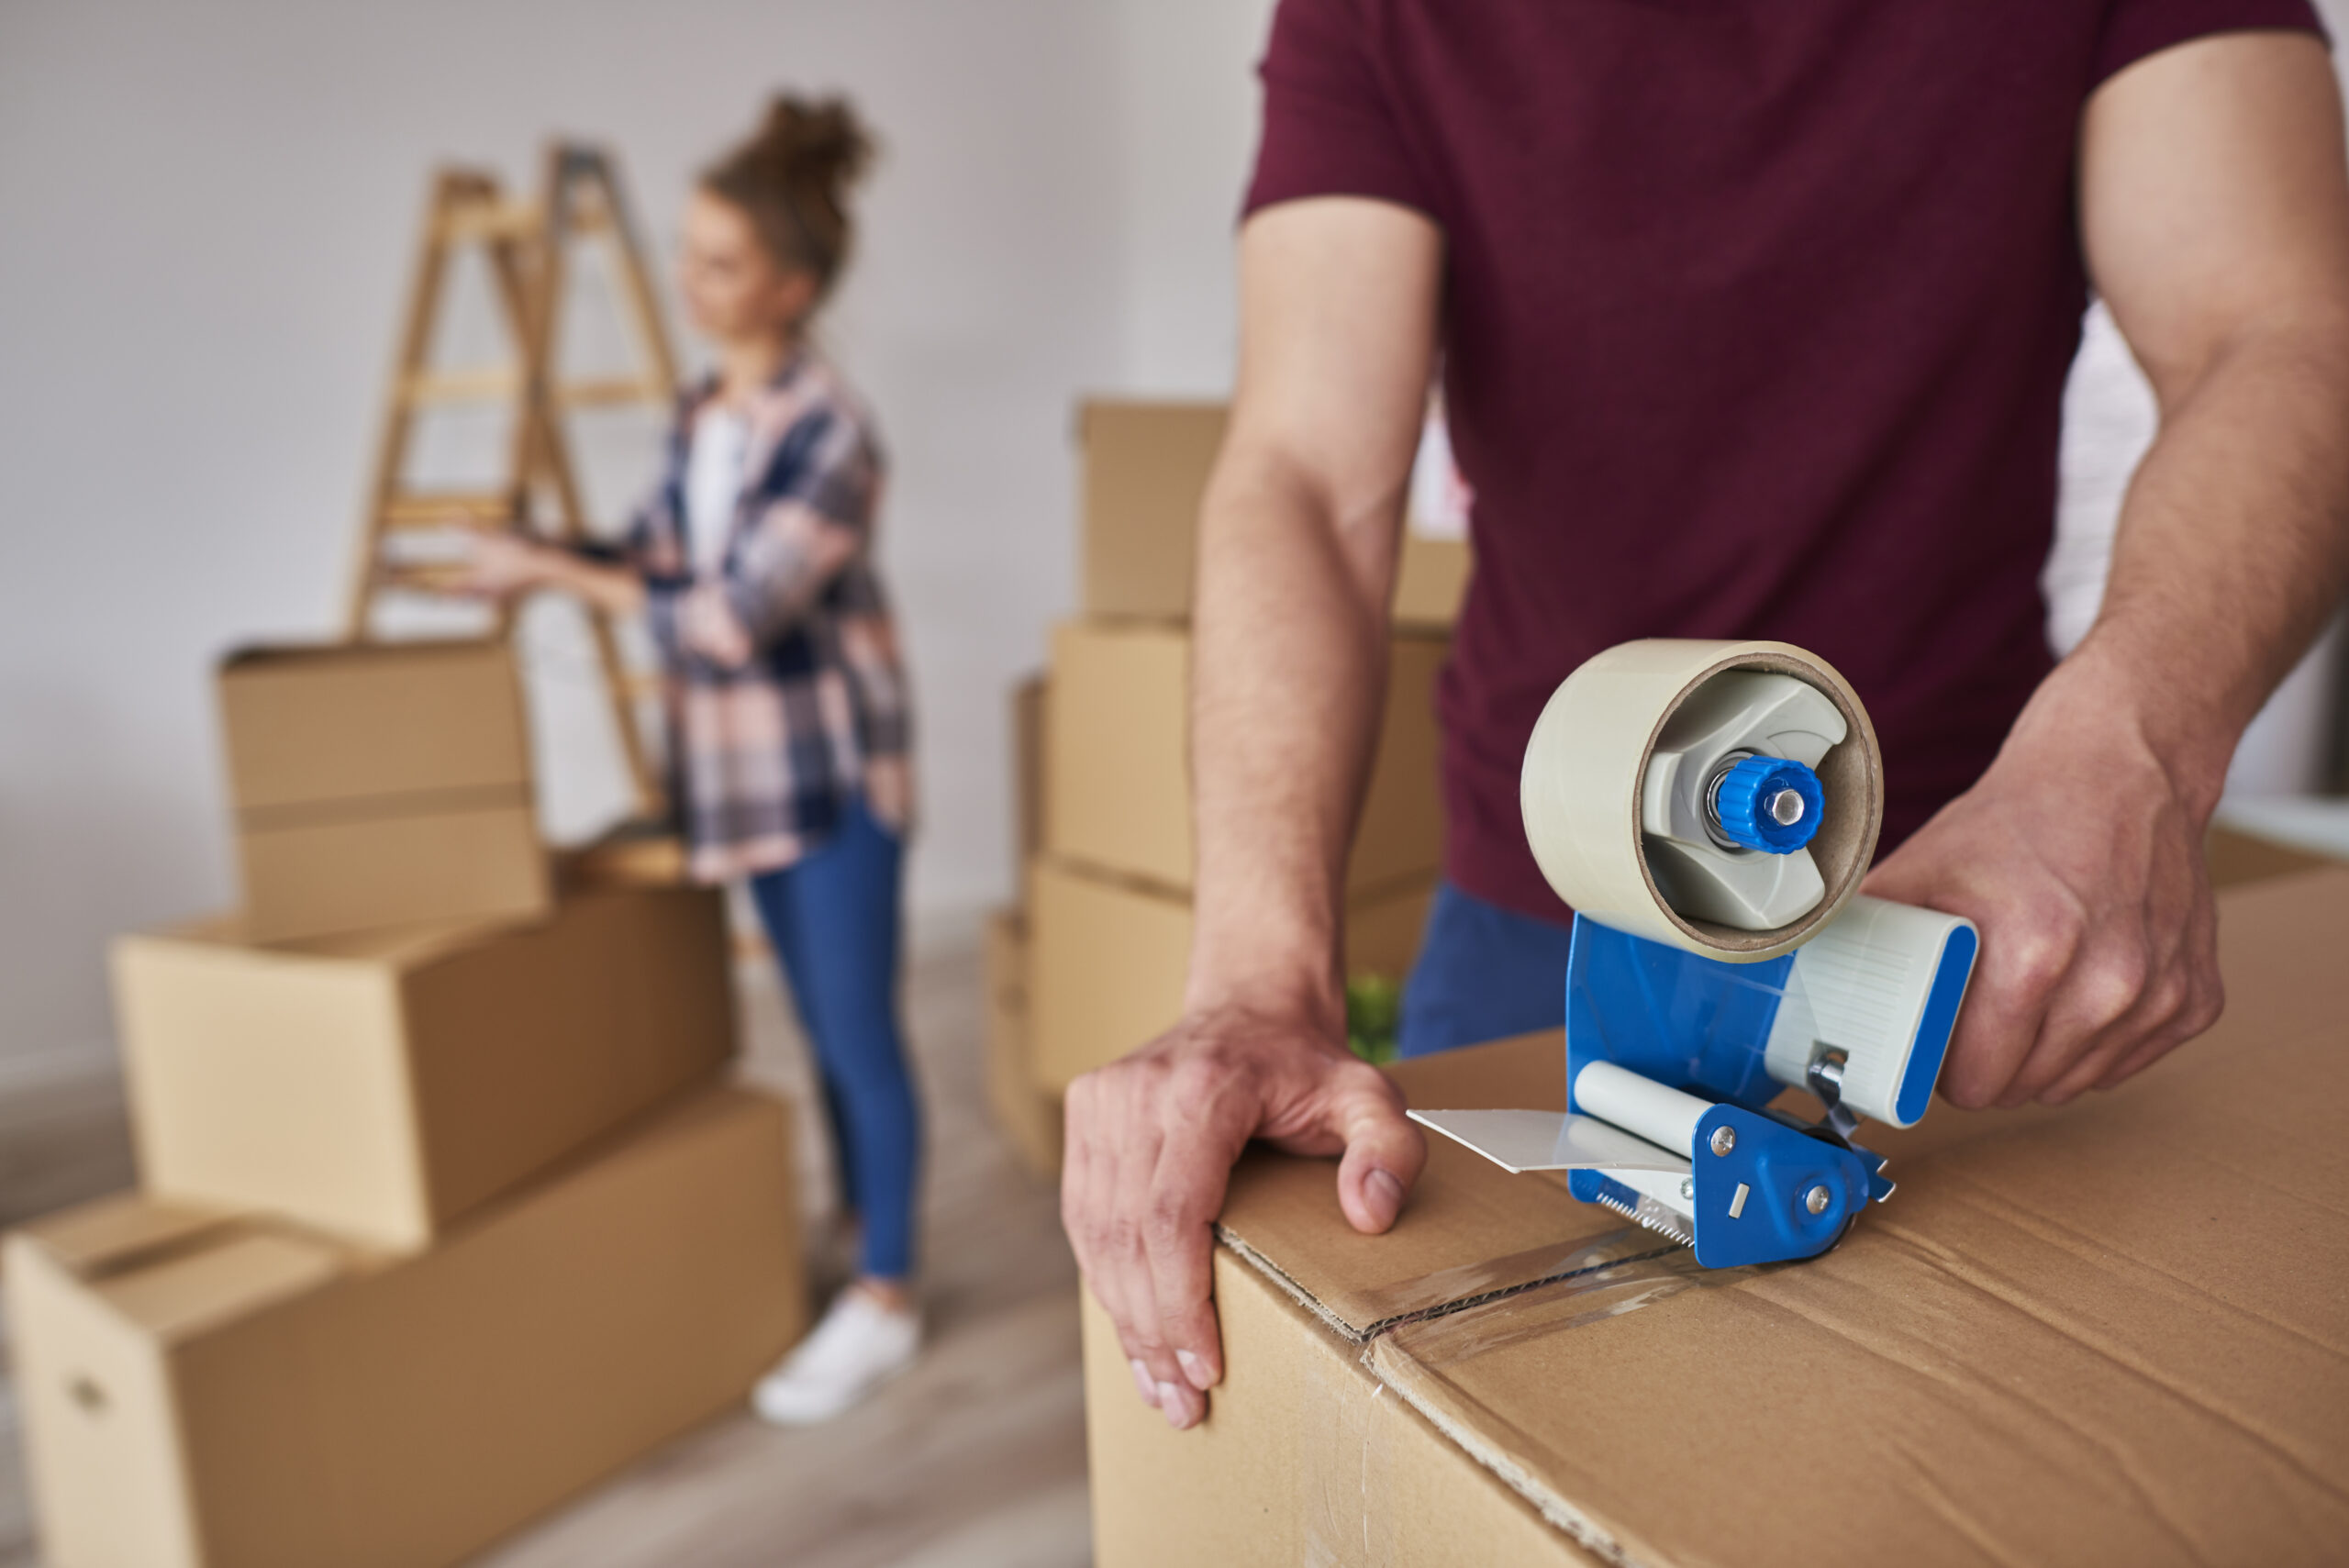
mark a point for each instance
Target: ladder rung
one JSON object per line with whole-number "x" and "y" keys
{"x": 612, "y": 389}
{"x": 641, "y": 683}
{"x": 491, "y": 220}
{"x": 481, "y": 383}
{"x": 424, "y": 577}
{"x": 428, "y": 510}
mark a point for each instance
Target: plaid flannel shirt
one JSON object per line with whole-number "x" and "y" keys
{"x": 785, "y": 694}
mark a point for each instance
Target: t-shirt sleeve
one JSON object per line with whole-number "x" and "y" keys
{"x": 1329, "y": 125}
{"x": 2135, "y": 29}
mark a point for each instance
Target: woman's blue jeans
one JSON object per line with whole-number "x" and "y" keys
{"x": 832, "y": 918}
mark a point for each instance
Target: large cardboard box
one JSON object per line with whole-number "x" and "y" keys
{"x": 2111, "y": 1333}
{"x": 381, "y": 785}
{"x": 1109, "y": 959}
{"x": 1145, "y": 474}
{"x": 1026, "y": 1113}
{"x": 1117, "y": 773}
{"x": 202, "y": 1390}
{"x": 1030, "y": 718}
{"x": 383, "y": 1085}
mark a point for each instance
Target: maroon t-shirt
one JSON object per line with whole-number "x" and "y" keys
{"x": 1756, "y": 320}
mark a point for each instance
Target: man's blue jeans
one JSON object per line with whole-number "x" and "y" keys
{"x": 1484, "y": 972}
{"x": 832, "y": 919}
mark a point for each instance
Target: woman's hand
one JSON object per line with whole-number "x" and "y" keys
{"x": 506, "y": 565}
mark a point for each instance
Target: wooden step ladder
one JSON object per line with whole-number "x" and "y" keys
{"x": 527, "y": 247}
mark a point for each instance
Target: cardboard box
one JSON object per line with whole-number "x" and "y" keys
{"x": 2236, "y": 858}
{"x": 1116, "y": 790}
{"x": 381, "y": 785}
{"x": 1145, "y": 474}
{"x": 1109, "y": 959}
{"x": 1031, "y": 709}
{"x": 208, "y": 1391}
{"x": 2107, "y": 1333}
{"x": 385, "y": 1085}
{"x": 1026, "y": 1113}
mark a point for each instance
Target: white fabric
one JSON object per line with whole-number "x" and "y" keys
{"x": 721, "y": 439}
{"x": 859, "y": 1346}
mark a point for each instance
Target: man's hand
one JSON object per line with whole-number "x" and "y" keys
{"x": 2216, "y": 220}
{"x": 2079, "y": 857}
{"x": 1150, "y": 1143}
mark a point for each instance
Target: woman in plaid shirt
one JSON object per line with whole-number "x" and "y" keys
{"x": 752, "y": 565}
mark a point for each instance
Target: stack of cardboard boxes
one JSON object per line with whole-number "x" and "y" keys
{"x": 445, "y": 1211}
{"x": 1090, "y": 964}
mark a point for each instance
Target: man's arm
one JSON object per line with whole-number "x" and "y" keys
{"x": 2215, "y": 214}
{"x": 1297, "y": 545}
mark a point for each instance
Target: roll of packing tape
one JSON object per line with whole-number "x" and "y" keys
{"x": 1590, "y": 803}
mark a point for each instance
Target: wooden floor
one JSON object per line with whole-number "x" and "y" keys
{"x": 976, "y": 1457}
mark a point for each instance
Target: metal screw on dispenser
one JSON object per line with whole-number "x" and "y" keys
{"x": 1687, "y": 1186}
{"x": 1816, "y": 1200}
{"x": 1724, "y": 1140}
{"x": 1785, "y": 807}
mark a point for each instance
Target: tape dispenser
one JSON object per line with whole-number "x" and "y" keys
{"x": 1708, "y": 809}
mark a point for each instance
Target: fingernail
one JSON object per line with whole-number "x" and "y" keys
{"x": 1195, "y": 1369}
{"x": 1385, "y": 1193}
{"x": 1143, "y": 1386}
{"x": 1177, "y": 1409}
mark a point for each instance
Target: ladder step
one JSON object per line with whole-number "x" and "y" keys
{"x": 639, "y": 684}
{"x": 479, "y": 383}
{"x": 612, "y": 389}
{"x": 491, "y": 220}
{"x": 446, "y": 509}
{"x": 423, "y": 577}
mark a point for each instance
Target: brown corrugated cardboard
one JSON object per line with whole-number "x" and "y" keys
{"x": 1107, "y": 961}
{"x": 383, "y": 1085}
{"x": 1146, "y": 468}
{"x": 2107, "y": 1333}
{"x": 1026, "y": 1113}
{"x": 1031, "y": 710}
{"x": 2237, "y": 858}
{"x": 380, "y": 784}
{"x": 1430, "y": 580}
{"x": 1309, "y": 1460}
{"x": 208, "y": 1391}
{"x": 1117, "y": 775}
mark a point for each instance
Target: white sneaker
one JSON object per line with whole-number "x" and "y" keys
{"x": 859, "y": 1346}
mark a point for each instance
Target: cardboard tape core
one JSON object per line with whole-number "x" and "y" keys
{"x": 1585, "y": 766}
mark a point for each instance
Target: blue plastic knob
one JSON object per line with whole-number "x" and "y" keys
{"x": 1769, "y": 803}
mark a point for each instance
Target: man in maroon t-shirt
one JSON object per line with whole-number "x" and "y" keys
{"x": 1753, "y": 322}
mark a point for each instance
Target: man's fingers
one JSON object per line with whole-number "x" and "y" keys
{"x": 1188, "y": 1192}
{"x": 2095, "y": 1000}
{"x": 2005, "y": 1009}
{"x": 1385, "y": 1149}
{"x": 1101, "y": 1169}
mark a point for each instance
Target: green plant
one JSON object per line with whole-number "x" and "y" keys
{"x": 1374, "y": 1008}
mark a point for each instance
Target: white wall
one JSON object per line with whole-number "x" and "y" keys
{"x": 205, "y": 222}
{"x": 205, "y": 215}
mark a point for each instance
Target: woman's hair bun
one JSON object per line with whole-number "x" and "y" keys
{"x": 792, "y": 177}
{"x": 819, "y": 137}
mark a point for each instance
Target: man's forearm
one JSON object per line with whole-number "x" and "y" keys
{"x": 1288, "y": 677}
{"x": 2233, "y": 544}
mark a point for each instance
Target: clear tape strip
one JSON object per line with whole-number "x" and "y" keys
{"x": 1591, "y": 1295}
{"x": 1458, "y": 1289}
